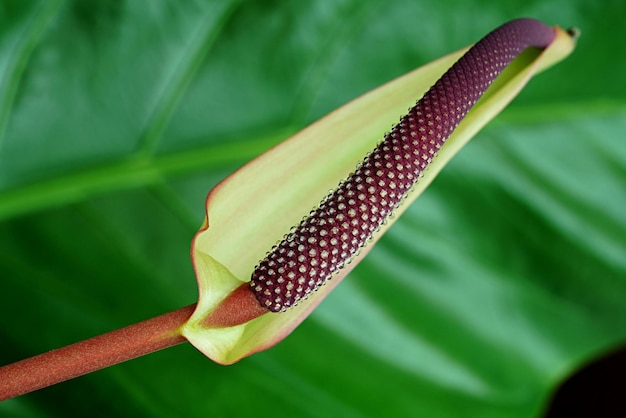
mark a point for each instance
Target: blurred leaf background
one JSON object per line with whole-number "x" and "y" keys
{"x": 117, "y": 117}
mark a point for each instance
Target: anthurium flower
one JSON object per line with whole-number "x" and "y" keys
{"x": 269, "y": 252}
{"x": 285, "y": 229}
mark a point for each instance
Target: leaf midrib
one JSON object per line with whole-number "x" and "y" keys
{"x": 134, "y": 171}
{"x": 140, "y": 170}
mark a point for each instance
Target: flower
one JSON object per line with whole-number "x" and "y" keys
{"x": 261, "y": 212}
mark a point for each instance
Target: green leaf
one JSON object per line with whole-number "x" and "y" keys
{"x": 117, "y": 117}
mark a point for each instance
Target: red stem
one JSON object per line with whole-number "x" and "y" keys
{"x": 93, "y": 354}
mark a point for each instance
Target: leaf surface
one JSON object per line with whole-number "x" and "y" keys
{"x": 117, "y": 117}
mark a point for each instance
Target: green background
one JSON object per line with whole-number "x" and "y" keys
{"x": 117, "y": 117}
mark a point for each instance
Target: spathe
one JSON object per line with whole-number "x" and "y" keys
{"x": 251, "y": 210}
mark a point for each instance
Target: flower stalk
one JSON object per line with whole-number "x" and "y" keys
{"x": 93, "y": 354}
